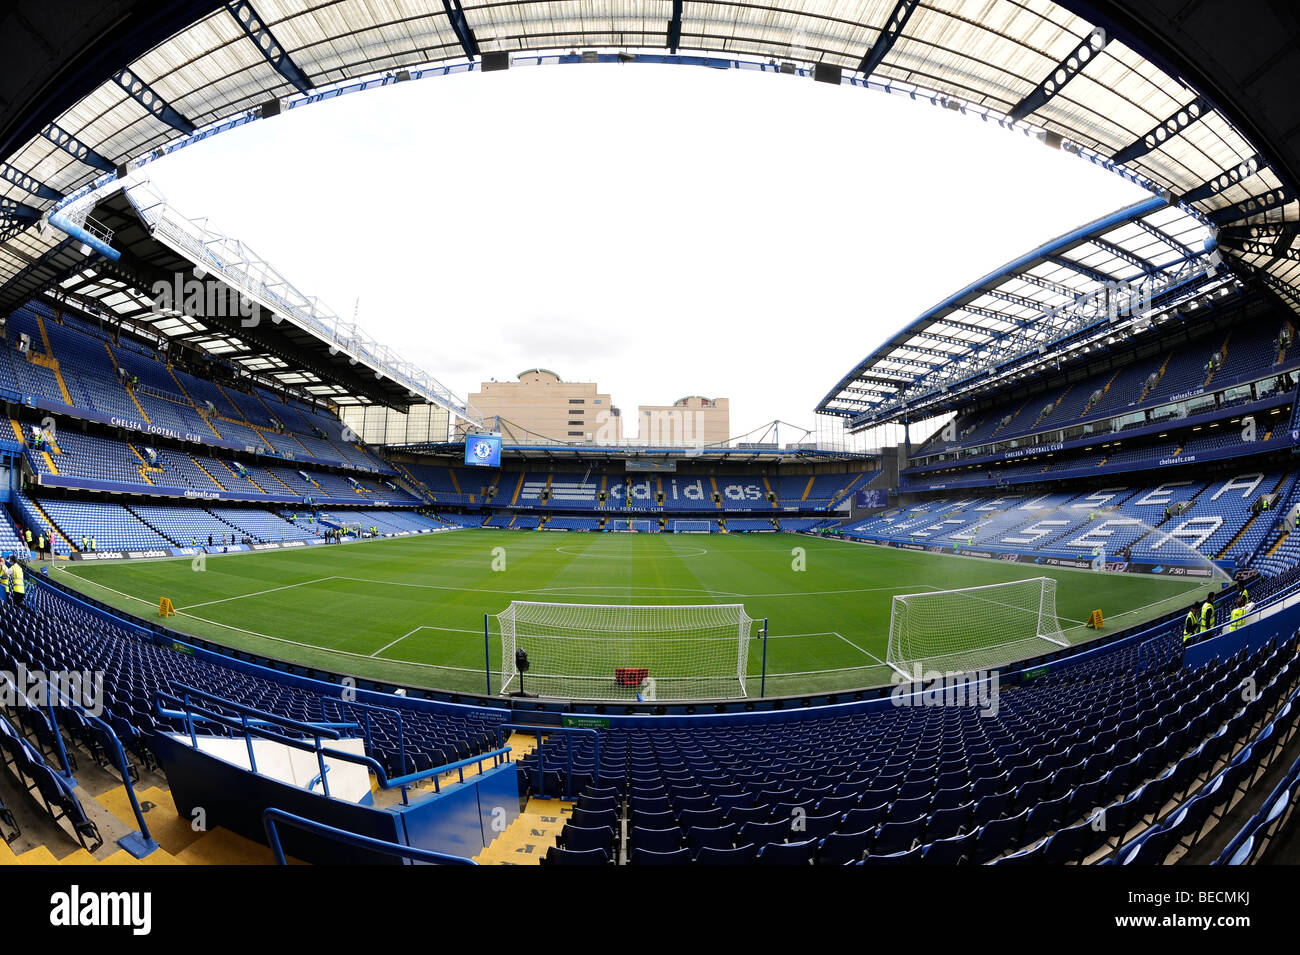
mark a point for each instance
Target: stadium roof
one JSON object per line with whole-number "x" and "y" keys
{"x": 1194, "y": 103}
{"x": 1109, "y": 278}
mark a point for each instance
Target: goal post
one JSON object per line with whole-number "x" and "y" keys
{"x": 974, "y": 627}
{"x": 626, "y": 651}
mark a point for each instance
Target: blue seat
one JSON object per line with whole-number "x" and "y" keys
{"x": 656, "y": 840}
{"x": 741, "y": 855}
{"x": 997, "y": 836}
{"x": 578, "y": 838}
{"x": 590, "y": 819}
{"x": 944, "y": 823}
{"x": 788, "y": 853}
{"x": 837, "y": 804}
{"x": 1073, "y": 844}
{"x": 652, "y": 820}
{"x": 700, "y": 818}
{"x": 713, "y": 837}
{"x": 590, "y": 803}
{"x": 763, "y": 833}
{"x": 743, "y": 814}
{"x": 898, "y": 836}
{"x": 952, "y": 851}
{"x": 864, "y": 817}
{"x": 838, "y": 848}
{"x": 912, "y": 856}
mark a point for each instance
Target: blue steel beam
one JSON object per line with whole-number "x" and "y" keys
{"x": 889, "y": 35}
{"x": 1229, "y": 177}
{"x": 1163, "y": 236}
{"x": 76, "y": 148}
{"x": 270, "y": 47}
{"x": 675, "y": 26}
{"x": 460, "y": 26}
{"x": 1264, "y": 230}
{"x": 1255, "y": 205}
{"x": 1094, "y": 274}
{"x": 1064, "y": 71}
{"x": 155, "y": 105}
{"x": 26, "y": 183}
{"x": 17, "y": 212}
{"x": 959, "y": 342}
{"x": 1278, "y": 250}
{"x": 926, "y": 350}
{"x": 995, "y": 315}
{"x": 1018, "y": 300}
{"x": 1064, "y": 291}
{"x": 1124, "y": 255}
{"x": 1165, "y": 131}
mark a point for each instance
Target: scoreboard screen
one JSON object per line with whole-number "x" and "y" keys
{"x": 483, "y": 450}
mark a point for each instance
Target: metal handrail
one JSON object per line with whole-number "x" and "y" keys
{"x": 271, "y": 817}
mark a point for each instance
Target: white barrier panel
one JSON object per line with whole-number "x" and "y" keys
{"x": 348, "y": 781}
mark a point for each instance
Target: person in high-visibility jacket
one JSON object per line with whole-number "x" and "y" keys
{"x": 40, "y": 545}
{"x": 1207, "y": 614}
{"x": 1242, "y": 607}
{"x": 83, "y": 542}
{"x": 15, "y": 572}
{"x": 7, "y": 583}
{"x": 1192, "y": 623}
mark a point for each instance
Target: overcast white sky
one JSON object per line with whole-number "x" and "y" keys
{"x": 661, "y": 231}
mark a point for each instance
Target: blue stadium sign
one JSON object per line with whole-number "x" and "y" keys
{"x": 483, "y": 450}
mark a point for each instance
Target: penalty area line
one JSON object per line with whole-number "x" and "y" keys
{"x": 257, "y": 593}
{"x": 417, "y": 630}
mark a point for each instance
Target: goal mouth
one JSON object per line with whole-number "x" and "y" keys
{"x": 974, "y": 628}
{"x": 625, "y": 652}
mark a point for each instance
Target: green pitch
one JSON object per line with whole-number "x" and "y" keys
{"x": 410, "y": 610}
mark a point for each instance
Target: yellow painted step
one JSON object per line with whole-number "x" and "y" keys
{"x": 223, "y": 847}
{"x": 38, "y": 856}
{"x": 526, "y": 840}
{"x": 80, "y": 857}
{"x": 171, "y": 831}
{"x": 282, "y": 484}
{"x": 208, "y": 473}
{"x": 157, "y": 857}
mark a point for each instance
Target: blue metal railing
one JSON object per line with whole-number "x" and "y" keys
{"x": 272, "y": 818}
{"x": 367, "y": 709}
{"x": 571, "y": 732}
{"x": 191, "y": 713}
{"x": 140, "y": 843}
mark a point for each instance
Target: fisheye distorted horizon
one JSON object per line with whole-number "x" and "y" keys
{"x": 663, "y": 232}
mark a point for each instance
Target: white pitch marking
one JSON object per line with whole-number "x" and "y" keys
{"x": 396, "y": 642}
{"x": 858, "y": 648}
{"x": 258, "y": 593}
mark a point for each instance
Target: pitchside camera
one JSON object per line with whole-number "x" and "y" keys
{"x": 521, "y": 664}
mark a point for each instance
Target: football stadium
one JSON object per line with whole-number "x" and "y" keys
{"x": 1027, "y": 593}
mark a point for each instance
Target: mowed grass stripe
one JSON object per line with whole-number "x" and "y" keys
{"x": 341, "y": 604}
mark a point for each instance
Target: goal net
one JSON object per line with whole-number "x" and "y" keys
{"x": 620, "y": 652}
{"x": 975, "y": 627}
